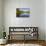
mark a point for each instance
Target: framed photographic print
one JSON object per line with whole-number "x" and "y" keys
{"x": 22, "y": 12}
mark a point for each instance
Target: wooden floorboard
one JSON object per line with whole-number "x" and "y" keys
{"x": 42, "y": 42}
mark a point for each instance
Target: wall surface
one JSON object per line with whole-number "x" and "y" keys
{"x": 0, "y": 18}
{"x": 45, "y": 19}
{"x": 39, "y": 16}
{"x": 36, "y": 19}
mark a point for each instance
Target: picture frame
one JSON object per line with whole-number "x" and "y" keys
{"x": 22, "y": 12}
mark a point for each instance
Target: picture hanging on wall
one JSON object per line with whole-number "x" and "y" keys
{"x": 22, "y": 12}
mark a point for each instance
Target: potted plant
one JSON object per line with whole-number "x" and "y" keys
{"x": 2, "y": 37}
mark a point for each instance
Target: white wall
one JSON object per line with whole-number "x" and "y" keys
{"x": 0, "y": 18}
{"x": 45, "y": 19}
{"x": 37, "y": 18}
{"x": 0, "y": 12}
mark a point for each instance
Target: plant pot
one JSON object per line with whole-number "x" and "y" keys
{"x": 3, "y": 41}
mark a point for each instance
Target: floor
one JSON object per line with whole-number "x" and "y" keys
{"x": 21, "y": 45}
{"x": 25, "y": 43}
